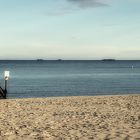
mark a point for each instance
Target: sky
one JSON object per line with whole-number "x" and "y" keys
{"x": 70, "y": 29}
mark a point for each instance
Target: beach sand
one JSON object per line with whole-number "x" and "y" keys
{"x": 71, "y": 118}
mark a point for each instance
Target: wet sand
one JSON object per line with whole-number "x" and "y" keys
{"x": 71, "y": 118}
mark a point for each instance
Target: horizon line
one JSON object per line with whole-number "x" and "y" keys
{"x": 69, "y": 59}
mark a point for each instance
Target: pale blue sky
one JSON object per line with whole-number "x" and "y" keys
{"x": 69, "y": 29}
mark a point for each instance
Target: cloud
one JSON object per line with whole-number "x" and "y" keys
{"x": 77, "y": 5}
{"x": 62, "y": 11}
{"x": 88, "y": 3}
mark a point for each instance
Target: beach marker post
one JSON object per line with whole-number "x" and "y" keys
{"x": 6, "y": 77}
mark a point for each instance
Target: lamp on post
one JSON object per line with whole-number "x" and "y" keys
{"x": 6, "y": 77}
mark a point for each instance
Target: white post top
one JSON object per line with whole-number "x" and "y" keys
{"x": 6, "y": 75}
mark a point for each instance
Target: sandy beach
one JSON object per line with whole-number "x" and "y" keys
{"x": 71, "y": 118}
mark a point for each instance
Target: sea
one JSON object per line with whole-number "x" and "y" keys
{"x": 55, "y": 78}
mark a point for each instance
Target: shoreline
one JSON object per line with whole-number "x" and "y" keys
{"x": 112, "y": 117}
{"x": 55, "y": 97}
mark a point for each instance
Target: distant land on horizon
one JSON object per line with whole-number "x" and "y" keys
{"x": 70, "y": 59}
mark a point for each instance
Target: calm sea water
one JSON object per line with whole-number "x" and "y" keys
{"x": 70, "y": 78}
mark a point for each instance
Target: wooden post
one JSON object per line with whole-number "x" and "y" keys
{"x": 5, "y": 90}
{"x": 6, "y": 77}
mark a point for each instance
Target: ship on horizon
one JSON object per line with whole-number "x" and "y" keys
{"x": 108, "y": 60}
{"x": 39, "y": 60}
